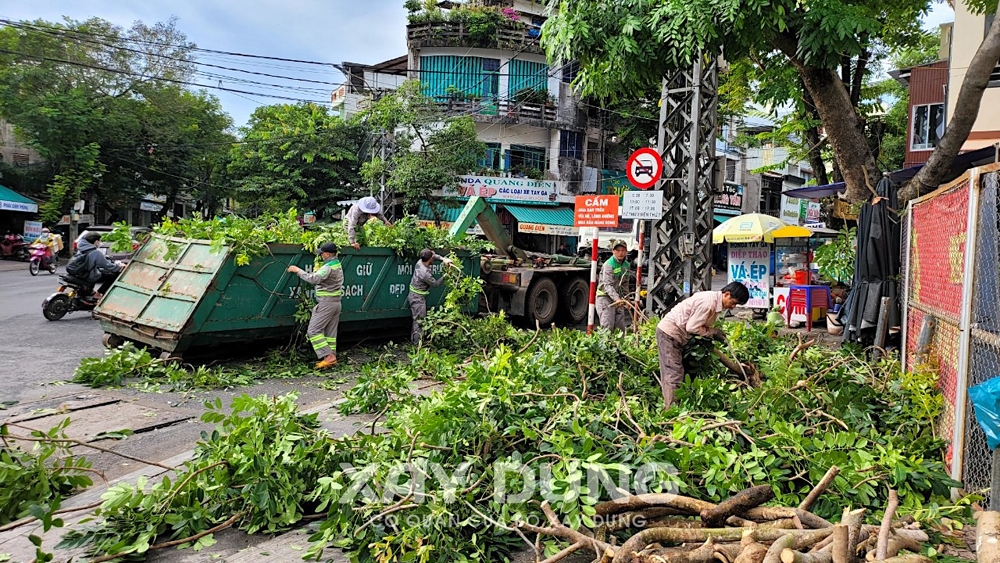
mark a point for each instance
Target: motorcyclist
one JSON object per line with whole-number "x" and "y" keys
{"x": 97, "y": 268}
{"x": 52, "y": 242}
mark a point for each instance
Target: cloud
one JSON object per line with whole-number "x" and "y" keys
{"x": 330, "y": 31}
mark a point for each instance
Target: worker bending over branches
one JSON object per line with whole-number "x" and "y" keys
{"x": 693, "y": 316}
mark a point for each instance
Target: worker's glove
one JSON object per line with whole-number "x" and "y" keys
{"x": 717, "y": 335}
{"x": 448, "y": 262}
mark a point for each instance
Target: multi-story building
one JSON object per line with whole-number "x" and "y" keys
{"x": 544, "y": 143}
{"x": 928, "y": 89}
{"x": 968, "y": 33}
{"x": 13, "y": 151}
{"x": 771, "y": 172}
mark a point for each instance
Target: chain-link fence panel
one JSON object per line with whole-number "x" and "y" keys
{"x": 984, "y": 332}
{"x": 935, "y": 267}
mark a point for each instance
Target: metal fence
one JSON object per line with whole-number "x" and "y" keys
{"x": 952, "y": 306}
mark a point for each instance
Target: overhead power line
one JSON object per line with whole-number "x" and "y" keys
{"x": 161, "y": 79}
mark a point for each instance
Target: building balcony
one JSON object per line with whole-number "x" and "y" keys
{"x": 501, "y": 111}
{"x": 509, "y": 35}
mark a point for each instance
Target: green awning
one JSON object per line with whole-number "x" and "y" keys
{"x": 13, "y": 201}
{"x": 721, "y": 218}
{"x": 447, "y": 213}
{"x": 558, "y": 216}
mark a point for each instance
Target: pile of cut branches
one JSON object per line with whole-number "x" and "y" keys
{"x": 737, "y": 530}
{"x": 547, "y": 432}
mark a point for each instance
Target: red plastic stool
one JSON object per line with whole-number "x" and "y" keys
{"x": 801, "y": 297}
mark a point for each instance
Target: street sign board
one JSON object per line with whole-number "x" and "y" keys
{"x": 642, "y": 205}
{"x": 595, "y": 211}
{"x": 644, "y": 168}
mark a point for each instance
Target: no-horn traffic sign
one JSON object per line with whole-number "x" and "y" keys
{"x": 644, "y": 168}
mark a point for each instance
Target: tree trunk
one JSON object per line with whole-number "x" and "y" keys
{"x": 843, "y": 128}
{"x": 741, "y": 501}
{"x": 977, "y": 76}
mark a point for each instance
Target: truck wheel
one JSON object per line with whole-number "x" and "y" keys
{"x": 574, "y": 300}
{"x": 112, "y": 340}
{"x": 542, "y": 301}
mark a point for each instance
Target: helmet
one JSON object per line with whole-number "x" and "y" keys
{"x": 618, "y": 242}
{"x": 329, "y": 247}
{"x": 45, "y": 230}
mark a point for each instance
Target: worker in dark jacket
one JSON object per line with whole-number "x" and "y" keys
{"x": 420, "y": 286}
{"x": 359, "y": 214}
{"x": 95, "y": 268}
{"x": 612, "y": 285}
{"x": 329, "y": 282}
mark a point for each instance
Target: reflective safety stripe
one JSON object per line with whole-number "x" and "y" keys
{"x": 601, "y": 293}
{"x": 323, "y": 293}
{"x": 334, "y": 264}
{"x": 418, "y": 291}
{"x": 318, "y": 341}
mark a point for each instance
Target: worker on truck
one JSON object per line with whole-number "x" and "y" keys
{"x": 420, "y": 287}
{"x": 329, "y": 282}
{"x": 359, "y": 214}
{"x": 693, "y": 316}
{"x": 611, "y": 285}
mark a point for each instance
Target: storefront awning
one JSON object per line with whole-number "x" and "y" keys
{"x": 13, "y": 201}
{"x": 557, "y": 221}
{"x": 447, "y": 214}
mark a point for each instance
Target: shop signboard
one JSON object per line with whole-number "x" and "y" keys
{"x": 87, "y": 219}
{"x": 514, "y": 190}
{"x": 750, "y": 264}
{"x": 729, "y": 197}
{"x": 791, "y": 210}
{"x": 32, "y": 230}
{"x": 542, "y": 229}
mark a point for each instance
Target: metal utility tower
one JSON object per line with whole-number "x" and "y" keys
{"x": 681, "y": 244}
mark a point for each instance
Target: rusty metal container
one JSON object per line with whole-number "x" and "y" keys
{"x": 178, "y": 293}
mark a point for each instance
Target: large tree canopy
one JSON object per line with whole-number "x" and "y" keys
{"x": 625, "y": 45}
{"x": 300, "y": 155}
{"x": 101, "y": 104}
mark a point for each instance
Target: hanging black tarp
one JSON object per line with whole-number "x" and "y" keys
{"x": 876, "y": 270}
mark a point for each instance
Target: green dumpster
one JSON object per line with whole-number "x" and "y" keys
{"x": 178, "y": 293}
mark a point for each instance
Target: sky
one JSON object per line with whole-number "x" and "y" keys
{"x": 330, "y": 31}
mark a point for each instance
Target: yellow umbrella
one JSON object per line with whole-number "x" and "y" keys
{"x": 752, "y": 227}
{"x": 792, "y": 231}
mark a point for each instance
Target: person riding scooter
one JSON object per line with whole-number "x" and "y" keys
{"x": 92, "y": 266}
{"x": 52, "y": 243}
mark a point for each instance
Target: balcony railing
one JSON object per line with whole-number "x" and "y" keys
{"x": 498, "y": 109}
{"x": 512, "y": 36}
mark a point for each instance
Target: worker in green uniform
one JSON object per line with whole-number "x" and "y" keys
{"x": 420, "y": 287}
{"x": 329, "y": 282}
{"x": 612, "y": 284}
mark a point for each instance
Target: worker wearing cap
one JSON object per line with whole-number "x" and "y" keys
{"x": 420, "y": 287}
{"x": 359, "y": 214}
{"x": 611, "y": 285}
{"x": 693, "y": 316}
{"x": 329, "y": 282}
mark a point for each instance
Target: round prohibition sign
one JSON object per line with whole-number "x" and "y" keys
{"x": 644, "y": 168}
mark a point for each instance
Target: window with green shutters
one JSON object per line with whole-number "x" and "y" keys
{"x": 446, "y": 77}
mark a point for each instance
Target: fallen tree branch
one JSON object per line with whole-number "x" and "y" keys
{"x": 30, "y": 519}
{"x": 882, "y": 546}
{"x": 173, "y": 543}
{"x": 773, "y": 554}
{"x": 740, "y": 502}
{"x": 632, "y": 503}
{"x": 84, "y": 444}
{"x": 565, "y": 553}
{"x": 819, "y": 489}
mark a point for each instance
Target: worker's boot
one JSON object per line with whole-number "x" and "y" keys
{"x": 326, "y": 362}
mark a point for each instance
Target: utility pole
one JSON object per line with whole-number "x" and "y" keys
{"x": 680, "y": 244}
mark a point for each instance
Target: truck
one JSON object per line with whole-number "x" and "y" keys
{"x": 536, "y": 287}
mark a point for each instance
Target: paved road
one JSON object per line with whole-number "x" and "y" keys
{"x": 34, "y": 352}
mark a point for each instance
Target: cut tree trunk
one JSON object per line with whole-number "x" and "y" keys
{"x": 988, "y": 537}
{"x": 740, "y": 502}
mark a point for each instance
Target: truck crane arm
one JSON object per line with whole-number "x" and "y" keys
{"x": 478, "y": 210}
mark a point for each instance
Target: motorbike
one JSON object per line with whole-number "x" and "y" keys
{"x": 74, "y": 294}
{"x": 12, "y": 247}
{"x": 42, "y": 259}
